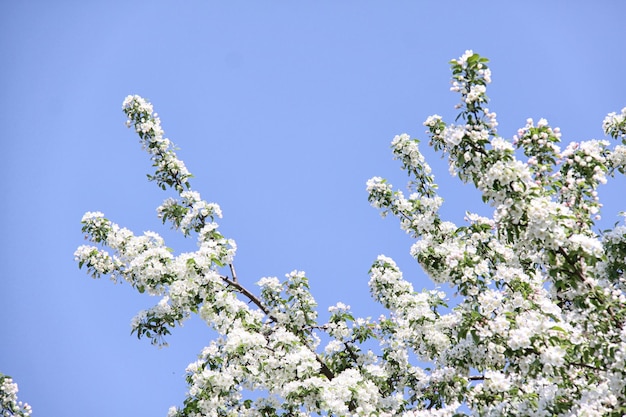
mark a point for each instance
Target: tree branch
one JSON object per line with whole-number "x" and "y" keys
{"x": 240, "y": 288}
{"x": 233, "y": 283}
{"x": 232, "y": 271}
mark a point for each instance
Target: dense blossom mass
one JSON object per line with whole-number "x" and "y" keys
{"x": 539, "y": 329}
{"x": 9, "y": 404}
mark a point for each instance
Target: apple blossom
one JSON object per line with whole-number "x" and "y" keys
{"x": 537, "y": 327}
{"x": 10, "y": 406}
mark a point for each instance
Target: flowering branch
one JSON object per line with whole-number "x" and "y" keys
{"x": 324, "y": 369}
{"x": 10, "y": 406}
{"x": 538, "y": 330}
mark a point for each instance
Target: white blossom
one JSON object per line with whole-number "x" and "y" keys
{"x": 533, "y": 324}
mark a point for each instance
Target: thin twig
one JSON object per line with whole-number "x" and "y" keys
{"x": 233, "y": 283}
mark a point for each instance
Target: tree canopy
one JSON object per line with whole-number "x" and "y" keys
{"x": 538, "y": 329}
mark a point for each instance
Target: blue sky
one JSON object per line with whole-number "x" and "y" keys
{"x": 282, "y": 110}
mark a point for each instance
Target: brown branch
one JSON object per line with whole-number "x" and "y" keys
{"x": 352, "y": 354}
{"x": 233, "y": 283}
{"x": 232, "y": 271}
{"x": 240, "y": 288}
{"x": 585, "y": 365}
{"x": 578, "y": 272}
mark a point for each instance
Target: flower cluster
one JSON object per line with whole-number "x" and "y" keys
{"x": 540, "y": 145}
{"x": 10, "y": 406}
{"x": 537, "y": 327}
{"x": 584, "y": 167}
{"x": 470, "y": 76}
{"x": 543, "y": 308}
{"x": 614, "y": 124}
{"x": 170, "y": 171}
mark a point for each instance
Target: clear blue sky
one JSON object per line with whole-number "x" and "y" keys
{"x": 282, "y": 110}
